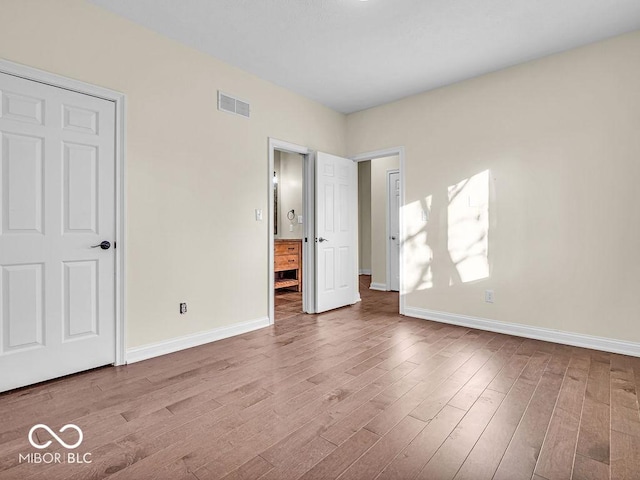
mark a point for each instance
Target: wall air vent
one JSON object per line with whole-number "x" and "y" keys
{"x": 229, "y": 104}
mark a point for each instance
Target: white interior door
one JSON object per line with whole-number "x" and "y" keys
{"x": 394, "y": 230}
{"x": 57, "y": 200}
{"x": 336, "y": 232}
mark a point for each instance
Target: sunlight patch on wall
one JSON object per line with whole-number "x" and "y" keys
{"x": 418, "y": 271}
{"x": 468, "y": 227}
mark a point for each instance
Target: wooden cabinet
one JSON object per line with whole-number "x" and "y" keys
{"x": 288, "y": 264}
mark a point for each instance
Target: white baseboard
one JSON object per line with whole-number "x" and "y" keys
{"x": 378, "y": 286}
{"x": 365, "y": 271}
{"x": 145, "y": 352}
{"x": 538, "y": 333}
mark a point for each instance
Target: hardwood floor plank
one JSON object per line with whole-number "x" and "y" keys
{"x": 625, "y": 416}
{"x": 595, "y": 423}
{"x": 300, "y": 460}
{"x": 467, "y": 396}
{"x": 625, "y": 456}
{"x": 411, "y": 460}
{"x": 585, "y": 468}
{"x": 342, "y": 457}
{"x": 377, "y": 457}
{"x": 345, "y": 428}
{"x": 520, "y": 458}
{"x": 446, "y": 462}
{"x": 254, "y": 468}
{"x": 555, "y": 461}
{"x": 484, "y": 458}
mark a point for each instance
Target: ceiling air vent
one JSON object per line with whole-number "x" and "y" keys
{"x": 229, "y": 104}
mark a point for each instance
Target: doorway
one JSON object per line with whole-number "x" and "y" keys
{"x": 380, "y": 200}
{"x": 329, "y": 272}
{"x": 291, "y": 220}
{"x": 288, "y": 228}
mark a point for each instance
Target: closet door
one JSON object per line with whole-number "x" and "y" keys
{"x": 57, "y": 202}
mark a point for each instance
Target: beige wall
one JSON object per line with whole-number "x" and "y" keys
{"x": 559, "y": 142}
{"x": 379, "y": 169}
{"x": 194, "y": 175}
{"x": 364, "y": 216}
{"x": 290, "y": 194}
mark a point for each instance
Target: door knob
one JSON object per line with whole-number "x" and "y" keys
{"x": 322, "y": 239}
{"x": 103, "y": 245}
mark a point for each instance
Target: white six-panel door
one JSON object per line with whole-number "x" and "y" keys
{"x": 57, "y": 200}
{"x": 336, "y": 232}
{"x": 394, "y": 230}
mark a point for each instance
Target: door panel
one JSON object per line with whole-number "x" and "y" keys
{"x": 57, "y": 199}
{"x": 336, "y": 232}
{"x": 23, "y": 309}
{"x": 80, "y": 188}
{"x": 80, "y": 292}
{"x": 22, "y": 183}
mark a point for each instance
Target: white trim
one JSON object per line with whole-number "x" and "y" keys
{"x": 307, "y": 254}
{"x": 387, "y": 152}
{"x": 379, "y": 286}
{"x": 364, "y": 271}
{"x": 172, "y": 345}
{"x": 309, "y": 246}
{"x": 119, "y": 100}
{"x": 538, "y": 333}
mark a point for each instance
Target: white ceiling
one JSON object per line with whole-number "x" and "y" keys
{"x": 351, "y": 54}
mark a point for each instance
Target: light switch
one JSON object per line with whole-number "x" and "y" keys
{"x": 291, "y": 227}
{"x": 300, "y": 219}
{"x": 425, "y": 216}
{"x": 258, "y": 215}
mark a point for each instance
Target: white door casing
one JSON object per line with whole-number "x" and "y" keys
{"x": 57, "y": 199}
{"x": 393, "y": 231}
{"x": 336, "y": 232}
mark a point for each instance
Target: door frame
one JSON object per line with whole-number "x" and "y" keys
{"x": 388, "y": 279}
{"x": 388, "y": 152}
{"x": 308, "y": 250}
{"x": 119, "y": 99}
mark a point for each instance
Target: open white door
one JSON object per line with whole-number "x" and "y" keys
{"x": 336, "y": 232}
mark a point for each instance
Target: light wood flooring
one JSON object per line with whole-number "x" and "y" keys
{"x": 288, "y": 303}
{"x": 357, "y": 393}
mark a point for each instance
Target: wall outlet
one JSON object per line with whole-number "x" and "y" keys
{"x": 488, "y": 296}
{"x": 425, "y": 216}
{"x": 183, "y": 308}
{"x": 291, "y": 227}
